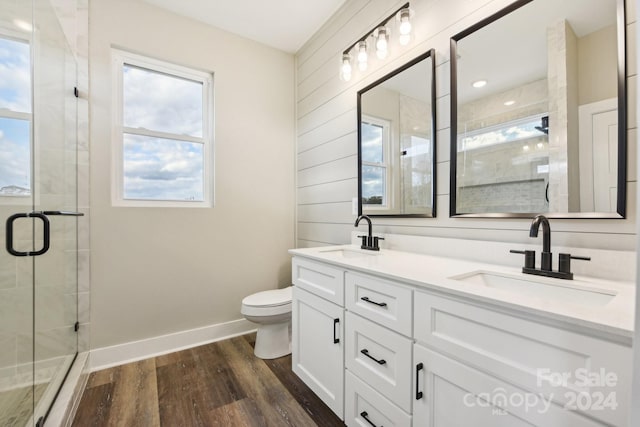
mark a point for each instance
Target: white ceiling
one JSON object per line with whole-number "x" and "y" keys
{"x": 283, "y": 24}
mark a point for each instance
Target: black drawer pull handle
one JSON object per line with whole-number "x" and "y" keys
{"x": 335, "y": 322}
{"x": 419, "y": 367}
{"x": 379, "y": 304}
{"x": 365, "y": 415}
{"x": 378, "y": 361}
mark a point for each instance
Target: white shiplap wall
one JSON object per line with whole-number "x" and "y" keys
{"x": 327, "y": 137}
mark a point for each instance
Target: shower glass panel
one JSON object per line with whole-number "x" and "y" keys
{"x": 38, "y": 158}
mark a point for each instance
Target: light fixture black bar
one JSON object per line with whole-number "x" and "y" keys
{"x": 385, "y": 22}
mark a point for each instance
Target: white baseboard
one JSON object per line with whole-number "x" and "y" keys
{"x": 120, "y": 354}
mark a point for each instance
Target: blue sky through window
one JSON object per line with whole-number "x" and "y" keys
{"x": 15, "y": 76}
{"x": 15, "y": 158}
{"x": 159, "y": 110}
{"x": 161, "y": 102}
{"x": 15, "y": 125}
{"x": 162, "y": 169}
{"x": 372, "y": 144}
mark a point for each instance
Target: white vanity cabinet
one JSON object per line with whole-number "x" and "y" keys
{"x": 386, "y": 352}
{"x": 317, "y": 337}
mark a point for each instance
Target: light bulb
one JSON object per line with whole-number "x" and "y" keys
{"x": 345, "y": 68}
{"x": 405, "y": 21}
{"x": 362, "y": 56}
{"x": 405, "y": 39}
{"x": 381, "y": 43}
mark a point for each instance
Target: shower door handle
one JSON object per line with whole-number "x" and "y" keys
{"x": 42, "y": 215}
{"x": 46, "y": 232}
{"x": 62, "y": 213}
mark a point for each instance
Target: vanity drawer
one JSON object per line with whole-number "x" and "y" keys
{"x": 364, "y": 405}
{"x": 386, "y": 303}
{"x": 380, "y": 357}
{"x": 527, "y": 353}
{"x": 320, "y": 279}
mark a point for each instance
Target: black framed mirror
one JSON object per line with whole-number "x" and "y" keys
{"x": 397, "y": 142}
{"x": 538, "y": 112}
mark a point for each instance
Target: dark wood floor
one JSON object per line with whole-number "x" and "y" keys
{"x": 219, "y": 384}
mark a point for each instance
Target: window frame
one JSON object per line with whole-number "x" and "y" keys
{"x": 120, "y": 58}
{"x": 386, "y": 161}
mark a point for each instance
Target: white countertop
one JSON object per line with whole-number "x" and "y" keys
{"x": 435, "y": 273}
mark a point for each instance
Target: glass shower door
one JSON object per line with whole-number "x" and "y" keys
{"x": 38, "y": 269}
{"x": 54, "y": 166}
{"x": 16, "y": 195}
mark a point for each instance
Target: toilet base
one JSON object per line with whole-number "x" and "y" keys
{"x": 273, "y": 340}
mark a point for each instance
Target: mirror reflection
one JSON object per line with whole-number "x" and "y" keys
{"x": 539, "y": 120}
{"x": 396, "y": 119}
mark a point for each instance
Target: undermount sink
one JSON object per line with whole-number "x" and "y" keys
{"x": 574, "y": 292}
{"x": 349, "y": 253}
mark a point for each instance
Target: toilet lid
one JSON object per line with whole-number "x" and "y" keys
{"x": 269, "y": 298}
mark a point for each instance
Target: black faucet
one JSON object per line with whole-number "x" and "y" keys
{"x": 564, "y": 264}
{"x": 546, "y": 262}
{"x": 368, "y": 242}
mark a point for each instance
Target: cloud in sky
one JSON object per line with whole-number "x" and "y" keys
{"x": 157, "y": 168}
{"x": 15, "y": 158}
{"x": 371, "y": 144}
{"x": 372, "y": 181}
{"x": 15, "y": 76}
{"x": 162, "y": 103}
{"x": 162, "y": 169}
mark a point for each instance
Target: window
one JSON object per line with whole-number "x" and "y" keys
{"x": 375, "y": 162}
{"x": 15, "y": 118}
{"x": 163, "y": 149}
{"x": 516, "y": 130}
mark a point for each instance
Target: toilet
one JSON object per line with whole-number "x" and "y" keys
{"x": 271, "y": 310}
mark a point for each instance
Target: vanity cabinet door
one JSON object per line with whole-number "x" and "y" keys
{"x": 571, "y": 369}
{"x": 318, "y": 347}
{"x": 452, "y": 394}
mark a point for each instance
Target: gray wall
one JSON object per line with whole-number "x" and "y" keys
{"x": 162, "y": 270}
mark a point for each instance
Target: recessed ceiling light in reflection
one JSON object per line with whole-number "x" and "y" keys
{"x": 23, "y": 25}
{"x": 479, "y": 83}
{"x": 509, "y": 103}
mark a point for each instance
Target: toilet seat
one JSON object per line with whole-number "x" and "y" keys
{"x": 268, "y": 303}
{"x": 271, "y": 298}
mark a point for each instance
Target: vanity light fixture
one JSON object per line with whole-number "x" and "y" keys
{"x": 380, "y": 37}
{"x": 479, "y": 83}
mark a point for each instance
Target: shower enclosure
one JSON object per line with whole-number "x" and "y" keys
{"x": 38, "y": 204}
